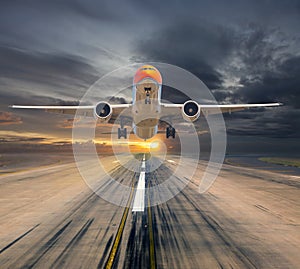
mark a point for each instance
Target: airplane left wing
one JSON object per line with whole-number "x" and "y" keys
{"x": 192, "y": 110}
{"x": 216, "y": 109}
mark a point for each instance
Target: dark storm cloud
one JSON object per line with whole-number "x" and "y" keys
{"x": 215, "y": 53}
{"x": 86, "y": 28}
{"x": 48, "y": 69}
{"x": 270, "y": 72}
{"x": 258, "y": 61}
{"x": 276, "y": 123}
{"x": 47, "y": 100}
{"x": 267, "y": 70}
{"x": 283, "y": 84}
{"x": 199, "y": 48}
{"x": 92, "y": 9}
{"x": 172, "y": 95}
{"x": 60, "y": 102}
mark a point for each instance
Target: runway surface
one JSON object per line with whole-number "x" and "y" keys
{"x": 51, "y": 219}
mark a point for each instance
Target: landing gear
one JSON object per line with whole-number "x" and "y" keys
{"x": 147, "y": 99}
{"x": 170, "y": 131}
{"x": 122, "y": 132}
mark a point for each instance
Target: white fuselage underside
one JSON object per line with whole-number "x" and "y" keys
{"x": 146, "y": 108}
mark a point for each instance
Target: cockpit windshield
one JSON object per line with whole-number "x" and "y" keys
{"x": 148, "y": 68}
{"x": 147, "y": 84}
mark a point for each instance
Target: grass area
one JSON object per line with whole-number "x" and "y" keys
{"x": 282, "y": 161}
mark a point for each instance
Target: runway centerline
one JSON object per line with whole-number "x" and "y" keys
{"x": 139, "y": 199}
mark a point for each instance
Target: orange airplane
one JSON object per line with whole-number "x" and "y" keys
{"x": 146, "y": 110}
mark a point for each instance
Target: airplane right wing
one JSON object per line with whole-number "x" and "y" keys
{"x": 101, "y": 110}
{"x": 87, "y": 111}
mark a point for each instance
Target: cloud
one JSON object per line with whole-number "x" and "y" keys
{"x": 8, "y": 118}
{"x": 28, "y": 137}
{"x": 198, "y": 48}
{"x": 19, "y": 139}
{"x": 59, "y": 72}
{"x": 281, "y": 122}
{"x": 249, "y": 64}
{"x": 282, "y": 84}
{"x": 88, "y": 123}
{"x": 245, "y": 51}
{"x": 267, "y": 72}
{"x": 117, "y": 100}
{"x": 261, "y": 69}
{"x": 66, "y": 124}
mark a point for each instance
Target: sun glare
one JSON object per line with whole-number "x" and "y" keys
{"x": 154, "y": 145}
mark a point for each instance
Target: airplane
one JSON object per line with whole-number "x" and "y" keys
{"x": 146, "y": 110}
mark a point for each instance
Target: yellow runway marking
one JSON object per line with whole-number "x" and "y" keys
{"x": 117, "y": 241}
{"x": 151, "y": 237}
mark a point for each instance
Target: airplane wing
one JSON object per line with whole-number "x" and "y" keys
{"x": 174, "y": 112}
{"x": 71, "y": 110}
{"x": 216, "y": 109}
{"x": 174, "y": 109}
{"x": 85, "y": 111}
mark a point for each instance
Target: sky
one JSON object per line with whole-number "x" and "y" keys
{"x": 244, "y": 51}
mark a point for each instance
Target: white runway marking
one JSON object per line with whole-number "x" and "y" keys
{"x": 139, "y": 199}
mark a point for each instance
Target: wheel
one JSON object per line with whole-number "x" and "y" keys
{"x": 122, "y": 132}
{"x": 173, "y": 133}
{"x": 147, "y": 100}
{"x": 167, "y": 132}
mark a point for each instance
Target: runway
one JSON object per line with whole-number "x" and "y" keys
{"x": 51, "y": 219}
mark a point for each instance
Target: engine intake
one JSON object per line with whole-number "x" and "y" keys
{"x": 190, "y": 111}
{"x": 103, "y": 111}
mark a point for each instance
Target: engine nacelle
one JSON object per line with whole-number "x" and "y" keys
{"x": 190, "y": 110}
{"x": 103, "y": 111}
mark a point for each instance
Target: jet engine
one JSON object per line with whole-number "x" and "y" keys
{"x": 190, "y": 110}
{"x": 103, "y": 111}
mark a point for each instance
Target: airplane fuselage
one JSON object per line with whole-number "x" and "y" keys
{"x": 146, "y": 104}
